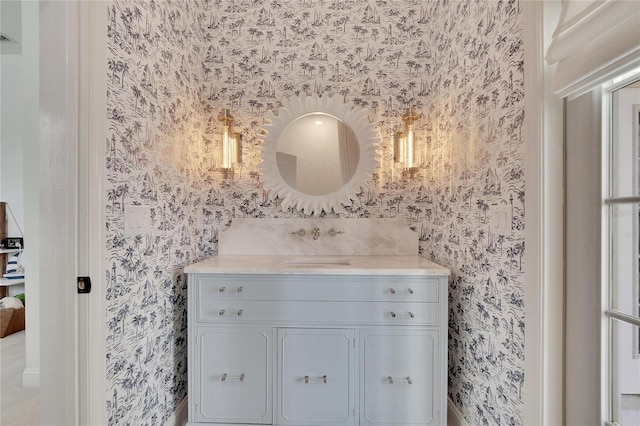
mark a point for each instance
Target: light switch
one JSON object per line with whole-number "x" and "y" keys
{"x": 500, "y": 219}
{"x": 137, "y": 220}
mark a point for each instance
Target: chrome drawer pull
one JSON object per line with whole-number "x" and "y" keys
{"x": 226, "y": 377}
{"x": 222, "y": 289}
{"x": 322, "y": 379}
{"x": 407, "y": 315}
{"x": 223, "y": 312}
{"x": 240, "y": 289}
{"x": 404, "y": 380}
{"x": 394, "y": 291}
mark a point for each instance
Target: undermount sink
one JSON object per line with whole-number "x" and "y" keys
{"x": 317, "y": 262}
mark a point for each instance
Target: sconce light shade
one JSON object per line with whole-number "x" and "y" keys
{"x": 404, "y": 145}
{"x": 230, "y": 152}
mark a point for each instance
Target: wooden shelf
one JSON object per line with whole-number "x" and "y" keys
{"x": 9, "y": 251}
{"x": 6, "y": 282}
{"x": 5, "y": 253}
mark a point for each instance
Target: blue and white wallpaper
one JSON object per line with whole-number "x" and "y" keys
{"x": 173, "y": 65}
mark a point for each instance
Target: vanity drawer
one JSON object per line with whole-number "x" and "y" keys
{"x": 300, "y": 312}
{"x": 325, "y": 288}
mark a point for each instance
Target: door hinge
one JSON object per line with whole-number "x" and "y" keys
{"x": 84, "y": 285}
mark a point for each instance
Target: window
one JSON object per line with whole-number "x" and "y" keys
{"x": 621, "y": 242}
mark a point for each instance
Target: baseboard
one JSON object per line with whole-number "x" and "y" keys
{"x": 180, "y": 415}
{"x": 454, "y": 416}
{"x": 31, "y": 378}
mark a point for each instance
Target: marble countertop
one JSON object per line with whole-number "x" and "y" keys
{"x": 318, "y": 265}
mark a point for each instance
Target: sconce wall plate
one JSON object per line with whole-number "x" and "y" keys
{"x": 230, "y": 152}
{"x": 404, "y": 145}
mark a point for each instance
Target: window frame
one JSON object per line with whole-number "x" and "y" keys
{"x": 609, "y": 313}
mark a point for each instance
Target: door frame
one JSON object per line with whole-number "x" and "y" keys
{"x": 92, "y": 80}
{"x": 74, "y": 94}
{"x": 58, "y": 144}
{"x": 72, "y": 105}
{"x": 544, "y": 285}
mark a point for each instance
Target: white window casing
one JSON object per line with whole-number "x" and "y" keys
{"x": 594, "y": 41}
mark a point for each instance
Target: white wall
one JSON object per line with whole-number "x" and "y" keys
{"x": 583, "y": 213}
{"x": 11, "y": 187}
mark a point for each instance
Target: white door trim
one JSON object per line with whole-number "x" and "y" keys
{"x": 71, "y": 213}
{"x": 544, "y": 297}
{"x": 91, "y": 212}
{"x": 31, "y": 179}
{"x": 57, "y": 170}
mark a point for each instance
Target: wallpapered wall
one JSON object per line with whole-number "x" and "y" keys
{"x": 174, "y": 64}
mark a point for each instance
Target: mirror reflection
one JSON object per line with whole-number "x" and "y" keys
{"x": 317, "y": 154}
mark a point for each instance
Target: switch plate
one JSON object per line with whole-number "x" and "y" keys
{"x": 500, "y": 219}
{"x": 137, "y": 220}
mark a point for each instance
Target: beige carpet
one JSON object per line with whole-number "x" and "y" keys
{"x": 18, "y": 406}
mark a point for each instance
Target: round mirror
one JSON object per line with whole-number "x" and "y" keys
{"x": 318, "y": 153}
{"x": 317, "y": 145}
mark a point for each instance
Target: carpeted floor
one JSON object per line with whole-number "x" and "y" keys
{"x": 18, "y": 406}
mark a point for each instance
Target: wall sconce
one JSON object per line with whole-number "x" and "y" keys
{"x": 230, "y": 151}
{"x": 404, "y": 145}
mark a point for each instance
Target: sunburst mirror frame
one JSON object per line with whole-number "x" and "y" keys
{"x": 296, "y": 107}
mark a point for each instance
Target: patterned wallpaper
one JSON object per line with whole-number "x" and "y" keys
{"x": 174, "y": 64}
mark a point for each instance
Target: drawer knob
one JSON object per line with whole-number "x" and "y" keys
{"x": 322, "y": 379}
{"x": 226, "y": 377}
{"x": 410, "y": 291}
{"x": 392, "y": 290}
{"x": 222, "y": 289}
{"x": 401, "y": 381}
{"x": 240, "y": 289}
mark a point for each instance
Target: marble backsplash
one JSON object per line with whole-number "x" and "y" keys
{"x": 333, "y": 237}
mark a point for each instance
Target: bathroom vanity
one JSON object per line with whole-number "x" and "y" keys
{"x": 325, "y": 339}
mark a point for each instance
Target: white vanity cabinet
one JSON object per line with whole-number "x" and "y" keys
{"x": 317, "y": 347}
{"x": 234, "y": 377}
{"x": 316, "y": 376}
{"x": 399, "y": 379}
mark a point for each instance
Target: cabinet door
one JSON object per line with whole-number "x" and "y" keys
{"x": 399, "y": 377}
{"x": 316, "y": 376}
{"x": 233, "y": 384}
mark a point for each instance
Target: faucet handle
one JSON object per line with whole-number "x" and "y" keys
{"x": 333, "y": 232}
{"x": 300, "y": 232}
